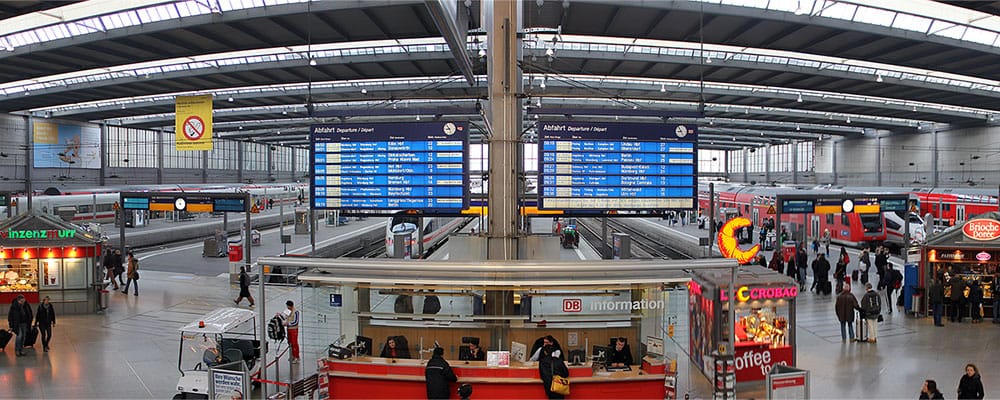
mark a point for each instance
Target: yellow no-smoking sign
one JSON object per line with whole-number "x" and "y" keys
{"x": 193, "y": 126}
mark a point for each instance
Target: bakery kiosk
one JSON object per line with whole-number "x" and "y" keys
{"x": 765, "y": 320}
{"x": 970, "y": 250}
{"x": 507, "y": 307}
{"x": 42, "y": 255}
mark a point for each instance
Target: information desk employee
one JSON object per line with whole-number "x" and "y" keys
{"x": 621, "y": 354}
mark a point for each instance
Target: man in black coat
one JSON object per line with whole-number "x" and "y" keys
{"x": 19, "y": 318}
{"x": 881, "y": 260}
{"x": 438, "y": 374}
{"x": 821, "y": 268}
{"x": 935, "y": 297}
{"x": 44, "y": 319}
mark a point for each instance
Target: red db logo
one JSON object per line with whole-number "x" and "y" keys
{"x": 572, "y": 305}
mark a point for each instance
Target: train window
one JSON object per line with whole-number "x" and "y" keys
{"x": 946, "y": 207}
{"x": 428, "y": 226}
{"x": 892, "y": 225}
{"x": 845, "y": 219}
{"x": 83, "y": 209}
{"x": 105, "y": 207}
{"x": 872, "y": 223}
{"x": 829, "y": 219}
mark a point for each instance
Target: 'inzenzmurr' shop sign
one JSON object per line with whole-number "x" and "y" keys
{"x": 38, "y": 234}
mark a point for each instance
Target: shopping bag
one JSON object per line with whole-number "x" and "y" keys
{"x": 559, "y": 385}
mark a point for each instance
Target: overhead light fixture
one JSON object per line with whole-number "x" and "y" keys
{"x": 798, "y": 8}
{"x": 550, "y": 52}
{"x": 364, "y": 91}
{"x": 284, "y": 113}
{"x": 538, "y": 103}
{"x": 123, "y": 106}
{"x": 542, "y": 85}
{"x": 393, "y": 106}
{"x": 878, "y": 78}
{"x": 848, "y": 119}
{"x": 482, "y": 52}
{"x": 797, "y": 127}
{"x": 663, "y": 88}
{"x": 241, "y": 127}
{"x": 799, "y": 99}
{"x": 418, "y": 118}
{"x": 230, "y": 99}
{"x": 708, "y": 60}
{"x": 312, "y": 62}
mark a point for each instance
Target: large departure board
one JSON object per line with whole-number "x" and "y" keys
{"x": 617, "y": 166}
{"x": 397, "y": 166}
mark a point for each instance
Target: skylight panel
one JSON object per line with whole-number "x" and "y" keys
{"x": 947, "y": 29}
{"x": 747, "y": 3}
{"x": 839, "y": 11}
{"x": 874, "y": 16}
{"x": 980, "y": 36}
{"x": 912, "y": 22}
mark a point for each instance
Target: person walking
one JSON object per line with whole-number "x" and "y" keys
{"x": 871, "y": 304}
{"x": 975, "y": 302}
{"x": 117, "y": 268}
{"x": 109, "y": 268}
{"x": 841, "y": 271}
{"x": 845, "y": 307}
{"x": 930, "y": 391}
{"x": 292, "y": 324}
{"x": 957, "y": 298}
{"x": 801, "y": 262}
{"x": 821, "y": 273}
{"x": 132, "y": 274}
{"x": 45, "y": 318}
{"x": 826, "y": 241}
{"x": 935, "y": 297}
{"x": 890, "y": 285}
{"x": 438, "y": 375}
{"x": 549, "y": 366}
{"x": 881, "y": 260}
{"x": 19, "y": 319}
{"x": 244, "y": 287}
{"x": 865, "y": 262}
{"x": 971, "y": 384}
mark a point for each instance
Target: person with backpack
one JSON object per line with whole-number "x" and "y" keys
{"x": 871, "y": 304}
{"x": 292, "y": 320}
{"x": 438, "y": 375}
{"x": 549, "y": 366}
{"x": 117, "y": 267}
{"x": 821, "y": 272}
{"x": 132, "y": 274}
{"x": 19, "y": 319}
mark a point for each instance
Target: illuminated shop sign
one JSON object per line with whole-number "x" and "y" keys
{"x": 983, "y": 256}
{"x": 38, "y": 234}
{"x": 747, "y": 293}
{"x": 982, "y": 229}
{"x": 728, "y": 244}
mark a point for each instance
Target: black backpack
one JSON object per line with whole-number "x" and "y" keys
{"x": 432, "y": 305}
{"x": 276, "y": 329}
{"x": 403, "y": 304}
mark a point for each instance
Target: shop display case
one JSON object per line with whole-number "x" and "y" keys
{"x": 19, "y": 276}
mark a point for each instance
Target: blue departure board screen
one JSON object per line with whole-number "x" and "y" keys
{"x": 588, "y": 166}
{"x": 393, "y": 166}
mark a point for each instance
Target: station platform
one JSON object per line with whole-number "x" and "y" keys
{"x": 130, "y": 351}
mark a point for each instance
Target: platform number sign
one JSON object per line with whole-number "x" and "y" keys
{"x": 572, "y": 305}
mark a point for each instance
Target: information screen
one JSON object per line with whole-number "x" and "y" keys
{"x": 617, "y": 166}
{"x": 397, "y": 166}
{"x": 136, "y": 203}
{"x": 798, "y": 206}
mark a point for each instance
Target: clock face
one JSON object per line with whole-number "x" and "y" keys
{"x": 848, "y": 205}
{"x": 681, "y": 131}
{"x": 449, "y": 128}
{"x": 180, "y": 204}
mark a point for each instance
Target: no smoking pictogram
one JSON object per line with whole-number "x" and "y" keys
{"x": 194, "y": 127}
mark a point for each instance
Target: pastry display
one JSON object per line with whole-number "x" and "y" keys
{"x": 18, "y": 278}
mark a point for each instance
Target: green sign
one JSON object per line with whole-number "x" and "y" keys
{"x": 38, "y": 234}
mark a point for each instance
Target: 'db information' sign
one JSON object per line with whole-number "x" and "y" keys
{"x": 193, "y": 124}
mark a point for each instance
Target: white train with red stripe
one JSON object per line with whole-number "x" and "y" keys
{"x": 435, "y": 230}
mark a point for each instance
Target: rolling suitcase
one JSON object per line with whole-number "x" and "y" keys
{"x": 31, "y": 336}
{"x": 854, "y": 275}
{"x": 826, "y": 287}
{"x": 5, "y": 337}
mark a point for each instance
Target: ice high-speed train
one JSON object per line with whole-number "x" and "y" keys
{"x": 436, "y": 230}
{"x": 97, "y": 205}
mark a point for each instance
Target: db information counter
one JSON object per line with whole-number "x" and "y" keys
{"x": 505, "y": 309}
{"x": 765, "y": 320}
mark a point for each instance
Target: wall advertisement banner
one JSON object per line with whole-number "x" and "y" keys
{"x": 193, "y": 123}
{"x": 66, "y": 146}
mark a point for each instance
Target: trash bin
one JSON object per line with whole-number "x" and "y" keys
{"x": 917, "y": 306}
{"x": 104, "y": 293}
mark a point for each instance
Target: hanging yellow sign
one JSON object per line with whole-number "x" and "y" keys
{"x": 193, "y": 125}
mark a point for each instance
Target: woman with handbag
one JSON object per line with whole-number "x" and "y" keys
{"x": 132, "y": 274}
{"x": 555, "y": 375}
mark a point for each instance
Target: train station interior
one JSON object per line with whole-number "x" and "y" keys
{"x": 667, "y": 199}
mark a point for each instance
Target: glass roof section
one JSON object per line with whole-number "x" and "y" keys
{"x": 29, "y": 29}
{"x": 922, "y": 16}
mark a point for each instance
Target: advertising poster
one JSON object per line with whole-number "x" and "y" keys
{"x": 66, "y": 146}
{"x": 193, "y": 122}
{"x": 227, "y": 384}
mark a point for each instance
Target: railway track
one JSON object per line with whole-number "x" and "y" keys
{"x": 644, "y": 244}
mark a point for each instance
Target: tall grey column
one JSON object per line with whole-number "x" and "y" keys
{"x": 746, "y": 165}
{"x": 295, "y": 174}
{"x": 725, "y": 163}
{"x": 767, "y": 163}
{"x": 502, "y": 21}
{"x": 833, "y": 154}
{"x": 239, "y": 161}
{"x": 878, "y": 160}
{"x": 162, "y": 146}
{"x": 103, "y": 154}
{"x": 935, "y": 172}
{"x": 795, "y": 162}
{"x": 29, "y": 158}
{"x": 204, "y": 167}
{"x": 270, "y": 162}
